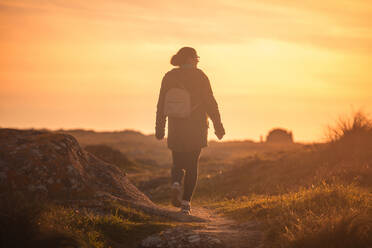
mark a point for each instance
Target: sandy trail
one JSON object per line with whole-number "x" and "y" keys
{"x": 231, "y": 233}
{"x": 210, "y": 230}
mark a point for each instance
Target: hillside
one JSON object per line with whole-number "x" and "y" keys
{"x": 316, "y": 195}
{"x": 248, "y": 195}
{"x": 146, "y": 149}
{"x": 137, "y": 146}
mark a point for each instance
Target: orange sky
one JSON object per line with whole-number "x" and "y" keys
{"x": 98, "y": 64}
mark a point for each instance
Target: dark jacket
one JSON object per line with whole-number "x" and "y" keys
{"x": 188, "y": 134}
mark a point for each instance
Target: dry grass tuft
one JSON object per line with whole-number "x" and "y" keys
{"x": 351, "y": 138}
{"x": 323, "y": 216}
{"x": 355, "y": 127}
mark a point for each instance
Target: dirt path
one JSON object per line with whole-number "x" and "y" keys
{"x": 211, "y": 230}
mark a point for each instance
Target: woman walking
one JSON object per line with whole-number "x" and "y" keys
{"x": 186, "y": 98}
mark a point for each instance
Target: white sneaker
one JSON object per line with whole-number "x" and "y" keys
{"x": 176, "y": 194}
{"x": 186, "y": 207}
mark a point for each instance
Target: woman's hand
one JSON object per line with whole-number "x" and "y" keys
{"x": 219, "y": 131}
{"x": 220, "y": 135}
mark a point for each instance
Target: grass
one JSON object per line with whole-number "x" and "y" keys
{"x": 104, "y": 230}
{"x": 35, "y": 224}
{"x": 321, "y": 216}
{"x": 358, "y": 126}
{"x": 285, "y": 172}
{"x": 318, "y": 196}
{"x": 351, "y": 139}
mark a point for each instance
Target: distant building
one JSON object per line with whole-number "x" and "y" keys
{"x": 279, "y": 135}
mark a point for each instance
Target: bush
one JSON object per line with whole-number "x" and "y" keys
{"x": 351, "y": 138}
{"x": 356, "y": 126}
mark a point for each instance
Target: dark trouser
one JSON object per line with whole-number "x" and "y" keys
{"x": 185, "y": 162}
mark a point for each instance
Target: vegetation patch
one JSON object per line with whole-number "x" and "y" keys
{"x": 322, "y": 216}
{"x": 35, "y": 224}
{"x": 317, "y": 196}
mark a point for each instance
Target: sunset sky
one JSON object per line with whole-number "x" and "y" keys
{"x": 99, "y": 64}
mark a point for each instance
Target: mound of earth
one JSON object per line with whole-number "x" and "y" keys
{"x": 110, "y": 155}
{"x": 53, "y": 166}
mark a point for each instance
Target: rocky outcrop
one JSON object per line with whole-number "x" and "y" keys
{"x": 279, "y": 135}
{"x": 52, "y": 165}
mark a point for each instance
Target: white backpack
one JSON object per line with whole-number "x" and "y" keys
{"x": 177, "y": 103}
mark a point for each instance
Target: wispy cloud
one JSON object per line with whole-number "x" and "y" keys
{"x": 343, "y": 25}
